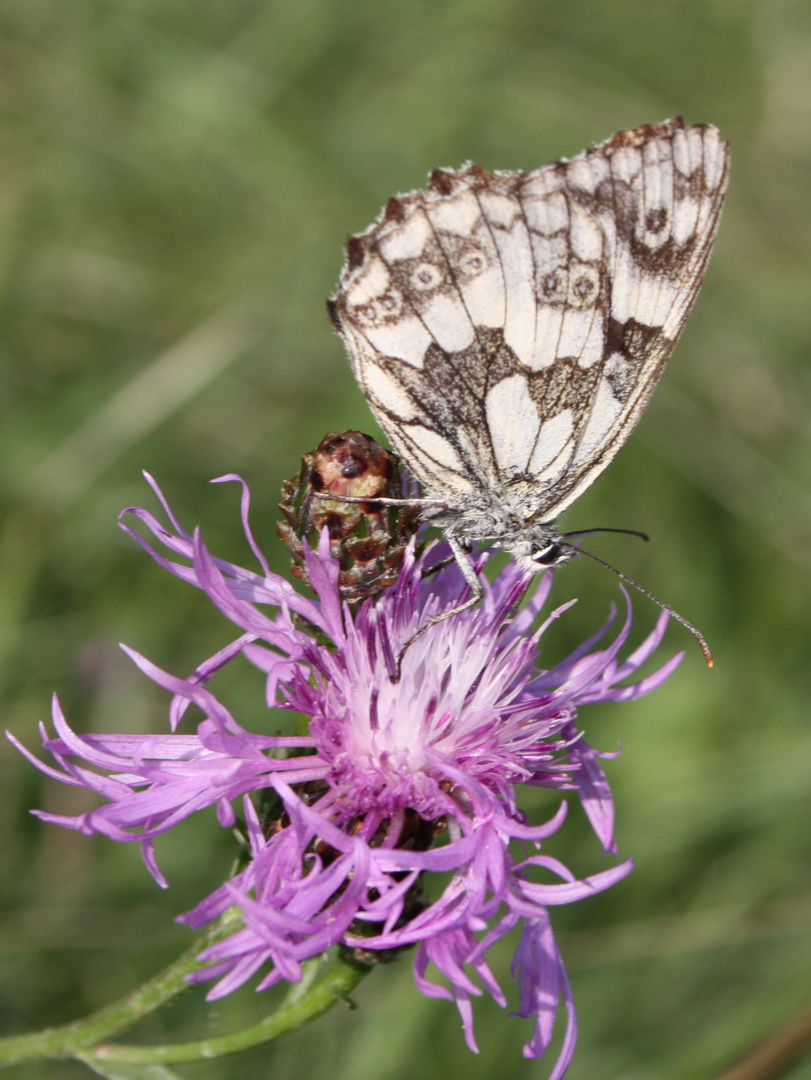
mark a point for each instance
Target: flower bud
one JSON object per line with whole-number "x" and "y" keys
{"x": 368, "y": 539}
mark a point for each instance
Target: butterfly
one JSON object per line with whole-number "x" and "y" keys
{"x": 509, "y": 328}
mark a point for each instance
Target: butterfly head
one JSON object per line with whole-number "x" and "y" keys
{"x": 540, "y": 549}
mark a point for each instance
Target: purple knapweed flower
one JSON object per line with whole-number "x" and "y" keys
{"x": 391, "y": 781}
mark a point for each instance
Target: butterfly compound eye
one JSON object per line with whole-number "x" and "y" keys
{"x": 547, "y": 556}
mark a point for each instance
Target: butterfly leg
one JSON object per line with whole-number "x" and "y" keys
{"x": 476, "y": 593}
{"x": 459, "y": 553}
{"x": 438, "y": 503}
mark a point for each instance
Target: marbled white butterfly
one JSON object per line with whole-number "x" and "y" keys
{"x": 508, "y": 328}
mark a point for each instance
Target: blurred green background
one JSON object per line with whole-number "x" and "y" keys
{"x": 176, "y": 182}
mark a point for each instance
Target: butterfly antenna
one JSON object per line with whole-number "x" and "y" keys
{"x": 600, "y": 528}
{"x": 645, "y": 592}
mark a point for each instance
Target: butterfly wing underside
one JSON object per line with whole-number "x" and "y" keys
{"x": 508, "y": 329}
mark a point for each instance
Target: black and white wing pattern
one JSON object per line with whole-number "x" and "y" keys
{"x": 508, "y": 328}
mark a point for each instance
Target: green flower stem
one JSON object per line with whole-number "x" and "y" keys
{"x": 325, "y": 982}
{"x": 65, "y": 1041}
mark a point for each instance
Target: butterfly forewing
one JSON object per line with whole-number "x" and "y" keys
{"x": 509, "y": 328}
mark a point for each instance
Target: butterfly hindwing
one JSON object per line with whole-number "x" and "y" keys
{"x": 508, "y": 329}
